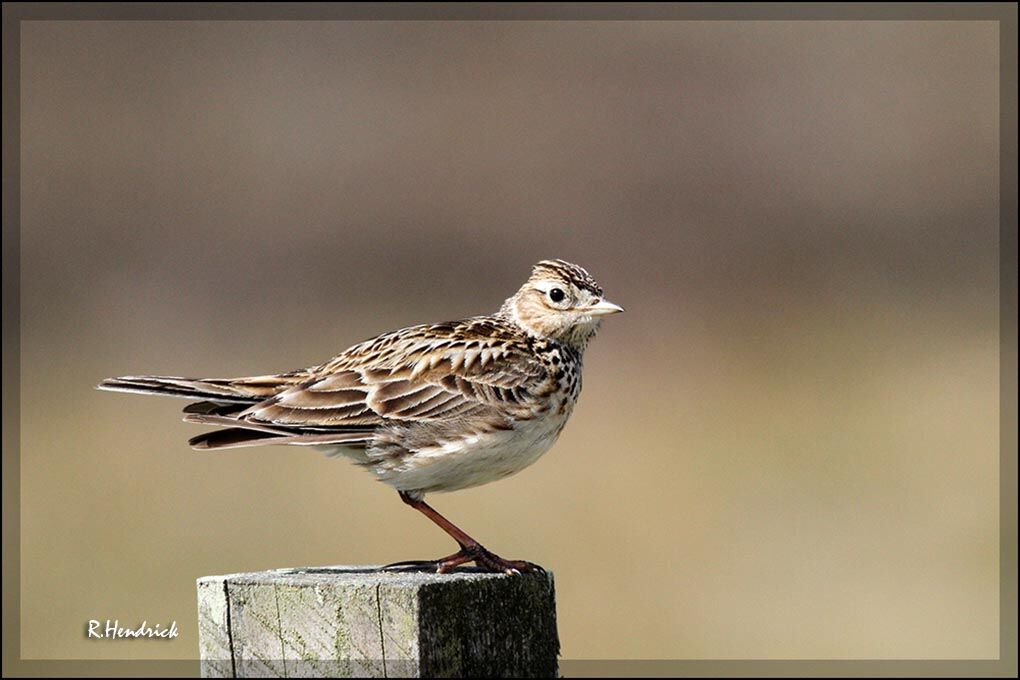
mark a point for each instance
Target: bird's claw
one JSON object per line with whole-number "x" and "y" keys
{"x": 411, "y": 566}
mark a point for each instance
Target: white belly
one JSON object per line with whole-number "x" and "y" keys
{"x": 477, "y": 459}
{"x": 466, "y": 461}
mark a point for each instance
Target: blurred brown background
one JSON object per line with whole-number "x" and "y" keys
{"x": 786, "y": 448}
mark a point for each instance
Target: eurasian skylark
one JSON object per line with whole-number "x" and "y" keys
{"x": 437, "y": 407}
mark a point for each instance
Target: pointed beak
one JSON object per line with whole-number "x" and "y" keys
{"x": 604, "y": 307}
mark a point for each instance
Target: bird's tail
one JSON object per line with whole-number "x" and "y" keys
{"x": 223, "y": 402}
{"x": 222, "y": 390}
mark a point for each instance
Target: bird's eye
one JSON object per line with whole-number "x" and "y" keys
{"x": 557, "y": 295}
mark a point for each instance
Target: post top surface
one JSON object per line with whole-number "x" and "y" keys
{"x": 367, "y": 575}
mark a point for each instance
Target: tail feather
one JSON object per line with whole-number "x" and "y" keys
{"x": 227, "y": 421}
{"x": 235, "y": 437}
{"x": 231, "y": 438}
{"x": 212, "y": 408}
{"x": 238, "y": 391}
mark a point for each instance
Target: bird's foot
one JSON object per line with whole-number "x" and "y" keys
{"x": 485, "y": 561}
{"x": 493, "y": 563}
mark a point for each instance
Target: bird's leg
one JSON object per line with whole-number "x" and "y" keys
{"x": 470, "y": 549}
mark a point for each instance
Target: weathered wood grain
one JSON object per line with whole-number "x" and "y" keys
{"x": 359, "y": 622}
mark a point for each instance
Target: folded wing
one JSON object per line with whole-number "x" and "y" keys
{"x": 423, "y": 374}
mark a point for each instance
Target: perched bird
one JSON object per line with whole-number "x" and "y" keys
{"x": 436, "y": 407}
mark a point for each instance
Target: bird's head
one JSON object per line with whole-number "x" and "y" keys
{"x": 560, "y": 301}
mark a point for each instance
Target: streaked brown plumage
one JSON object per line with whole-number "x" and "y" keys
{"x": 436, "y": 407}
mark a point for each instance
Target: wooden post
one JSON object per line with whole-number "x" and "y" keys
{"x": 360, "y": 622}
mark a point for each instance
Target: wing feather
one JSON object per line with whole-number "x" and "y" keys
{"x": 423, "y": 373}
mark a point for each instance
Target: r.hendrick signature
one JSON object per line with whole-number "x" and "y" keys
{"x": 112, "y": 630}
